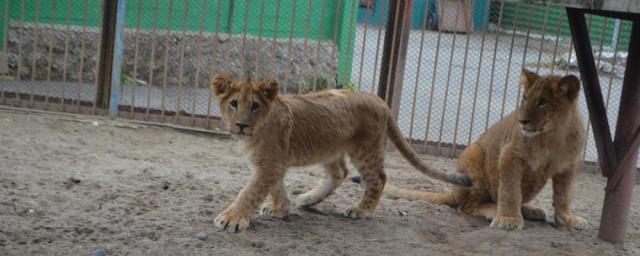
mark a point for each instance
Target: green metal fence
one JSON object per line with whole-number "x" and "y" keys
{"x": 315, "y": 20}
{"x": 540, "y": 18}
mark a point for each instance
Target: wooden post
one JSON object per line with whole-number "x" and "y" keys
{"x": 117, "y": 59}
{"x": 110, "y": 55}
{"x": 394, "y": 53}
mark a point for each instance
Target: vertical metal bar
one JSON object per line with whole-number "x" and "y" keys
{"x": 260, "y": 39}
{"x": 214, "y": 59}
{"x": 446, "y": 91}
{"x": 364, "y": 43}
{"x": 350, "y": 37}
{"x": 4, "y": 43}
{"x": 117, "y": 58}
{"x": 526, "y": 47}
{"x": 6, "y": 24}
{"x": 506, "y": 79}
{"x": 136, "y": 47}
{"x": 82, "y": 48}
{"x": 433, "y": 81}
{"x": 386, "y": 64}
{"x": 107, "y": 54}
{"x": 289, "y": 57}
{"x": 227, "y": 67}
{"x": 34, "y": 53}
{"x": 306, "y": 38}
{"x": 319, "y": 46}
{"x": 244, "y": 40}
{"x": 566, "y": 70}
{"x": 375, "y": 63}
{"x": 335, "y": 41}
{"x": 419, "y": 66}
{"x": 555, "y": 48}
{"x": 592, "y": 90}
{"x": 274, "y": 42}
{"x": 165, "y": 71}
{"x": 185, "y": 19}
{"x": 394, "y": 54}
{"x": 196, "y": 84}
{"x": 475, "y": 90}
{"x": 617, "y": 200}
{"x": 19, "y": 62}
{"x": 65, "y": 58}
{"x": 152, "y": 58}
{"x": 493, "y": 64}
{"x": 544, "y": 29}
{"x": 464, "y": 70}
{"x": 96, "y": 70}
{"x": 50, "y": 52}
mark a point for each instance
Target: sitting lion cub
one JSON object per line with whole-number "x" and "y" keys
{"x": 512, "y": 161}
{"x": 299, "y": 130}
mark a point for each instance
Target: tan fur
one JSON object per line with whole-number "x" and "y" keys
{"x": 299, "y": 130}
{"x": 508, "y": 169}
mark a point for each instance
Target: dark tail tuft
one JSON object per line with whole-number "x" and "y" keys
{"x": 464, "y": 180}
{"x": 356, "y": 179}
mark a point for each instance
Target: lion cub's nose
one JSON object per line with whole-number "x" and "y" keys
{"x": 242, "y": 126}
{"x": 526, "y": 121}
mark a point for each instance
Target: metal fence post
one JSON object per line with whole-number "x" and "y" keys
{"x": 394, "y": 53}
{"x": 111, "y": 55}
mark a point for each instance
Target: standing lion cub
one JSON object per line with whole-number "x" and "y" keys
{"x": 300, "y": 130}
{"x": 513, "y": 160}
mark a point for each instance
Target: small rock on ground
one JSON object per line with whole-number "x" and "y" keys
{"x": 202, "y": 236}
{"x": 100, "y": 252}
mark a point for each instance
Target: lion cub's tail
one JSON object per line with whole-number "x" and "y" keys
{"x": 393, "y": 132}
{"x": 446, "y": 198}
{"x": 429, "y": 197}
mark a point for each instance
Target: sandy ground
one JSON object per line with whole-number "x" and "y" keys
{"x": 81, "y": 185}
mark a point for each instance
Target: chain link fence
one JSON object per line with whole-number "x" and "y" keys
{"x": 461, "y": 70}
{"x": 463, "y": 67}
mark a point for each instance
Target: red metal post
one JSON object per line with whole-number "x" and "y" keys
{"x": 617, "y": 200}
{"x": 617, "y": 159}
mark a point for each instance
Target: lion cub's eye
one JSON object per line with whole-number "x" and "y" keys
{"x": 254, "y": 107}
{"x": 542, "y": 103}
{"x": 234, "y": 103}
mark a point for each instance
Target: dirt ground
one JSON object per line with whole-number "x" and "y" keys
{"x": 86, "y": 186}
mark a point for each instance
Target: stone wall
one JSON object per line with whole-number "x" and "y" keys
{"x": 235, "y": 55}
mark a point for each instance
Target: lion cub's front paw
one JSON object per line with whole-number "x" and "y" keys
{"x": 271, "y": 210}
{"x": 508, "y": 223}
{"x": 572, "y": 221}
{"x": 231, "y": 221}
{"x": 356, "y": 213}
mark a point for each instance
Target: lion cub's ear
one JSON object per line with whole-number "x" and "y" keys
{"x": 220, "y": 85}
{"x": 569, "y": 86}
{"x": 527, "y": 78}
{"x": 270, "y": 88}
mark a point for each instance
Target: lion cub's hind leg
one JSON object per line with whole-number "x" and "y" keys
{"x": 335, "y": 173}
{"x": 370, "y": 164}
{"x": 486, "y": 210}
{"x": 490, "y": 210}
{"x": 534, "y": 213}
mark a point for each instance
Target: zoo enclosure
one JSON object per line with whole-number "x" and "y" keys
{"x": 450, "y": 74}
